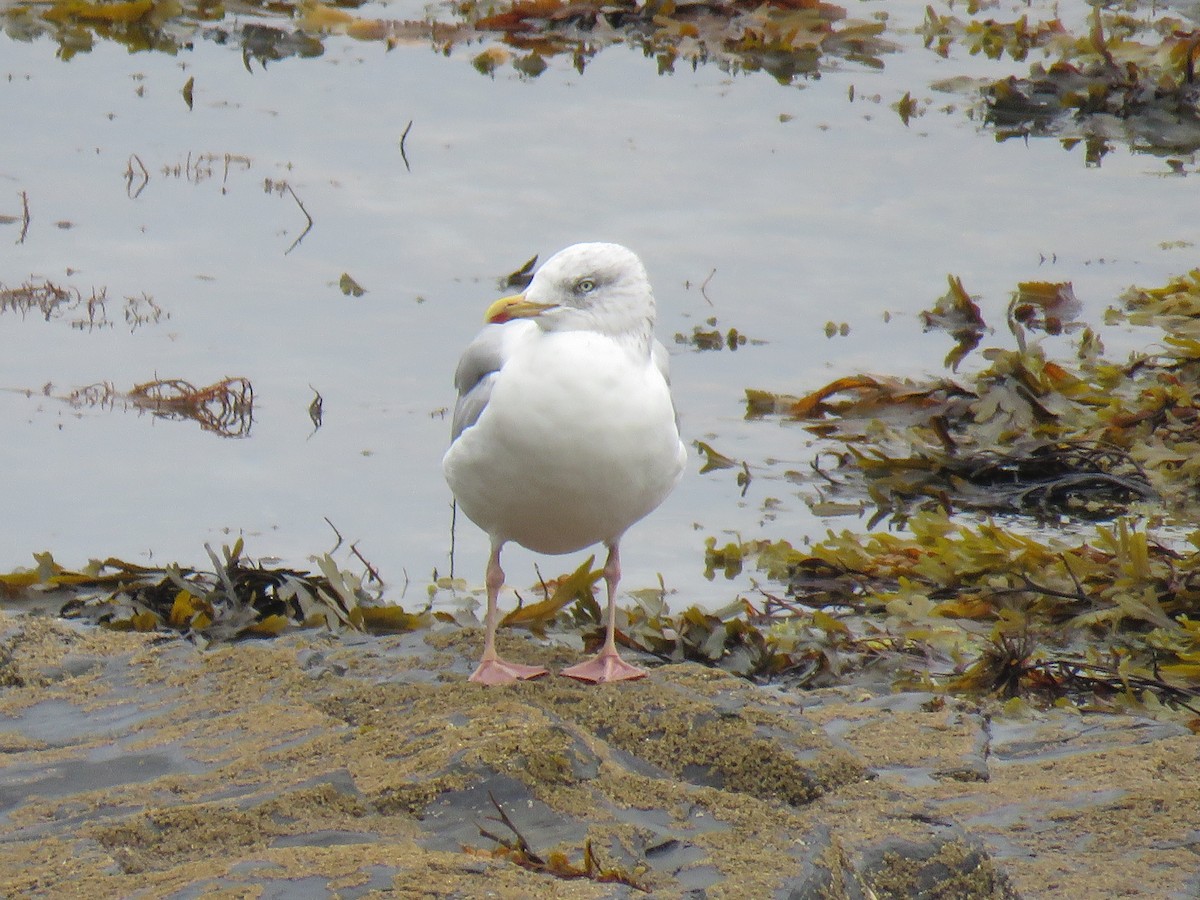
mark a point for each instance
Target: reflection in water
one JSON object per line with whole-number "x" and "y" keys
{"x": 54, "y": 301}
{"x": 819, "y": 208}
{"x": 1136, "y": 68}
{"x": 22, "y": 219}
{"x": 786, "y": 38}
{"x": 225, "y": 408}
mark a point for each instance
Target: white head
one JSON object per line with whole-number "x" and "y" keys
{"x": 587, "y": 287}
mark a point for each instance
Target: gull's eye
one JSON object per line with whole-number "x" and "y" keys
{"x": 585, "y": 286}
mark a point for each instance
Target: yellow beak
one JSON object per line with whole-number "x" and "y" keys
{"x": 514, "y": 307}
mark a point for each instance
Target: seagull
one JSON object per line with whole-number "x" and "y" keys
{"x": 564, "y": 433}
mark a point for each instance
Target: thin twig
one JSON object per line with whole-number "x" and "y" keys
{"x": 307, "y": 228}
{"x": 1067, "y": 566}
{"x": 316, "y": 409}
{"x": 775, "y": 599}
{"x": 1031, "y": 585}
{"x": 521, "y": 843}
{"x": 371, "y": 570}
{"x": 542, "y": 581}
{"x": 815, "y": 463}
{"x": 129, "y": 176}
{"x": 704, "y": 286}
{"x": 403, "y": 155}
{"x": 453, "y": 523}
{"x": 333, "y": 549}
{"x": 1113, "y": 679}
{"x": 24, "y": 217}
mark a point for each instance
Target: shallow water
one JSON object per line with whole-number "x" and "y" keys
{"x": 798, "y": 205}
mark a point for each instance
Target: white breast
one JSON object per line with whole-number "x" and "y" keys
{"x": 578, "y": 441}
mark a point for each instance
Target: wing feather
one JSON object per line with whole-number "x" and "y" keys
{"x": 477, "y": 370}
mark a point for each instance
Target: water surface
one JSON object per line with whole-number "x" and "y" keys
{"x": 794, "y": 205}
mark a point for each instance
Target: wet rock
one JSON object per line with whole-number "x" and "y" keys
{"x": 313, "y": 764}
{"x": 463, "y": 818}
{"x": 822, "y": 870}
{"x": 314, "y": 662}
{"x": 946, "y": 864}
{"x": 710, "y": 729}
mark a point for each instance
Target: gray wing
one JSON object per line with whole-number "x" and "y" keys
{"x": 477, "y": 370}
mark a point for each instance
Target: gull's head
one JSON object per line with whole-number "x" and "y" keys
{"x": 586, "y": 287}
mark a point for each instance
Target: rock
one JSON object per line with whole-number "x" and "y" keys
{"x": 326, "y": 766}
{"x": 947, "y": 863}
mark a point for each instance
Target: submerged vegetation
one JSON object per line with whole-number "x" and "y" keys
{"x": 1130, "y": 77}
{"x": 52, "y": 301}
{"x": 1030, "y": 602}
{"x": 1085, "y": 591}
{"x": 1083, "y": 437}
{"x": 787, "y": 38}
{"x": 1126, "y": 74}
{"x": 225, "y": 408}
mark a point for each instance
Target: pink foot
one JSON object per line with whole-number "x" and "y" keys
{"x": 498, "y": 671}
{"x": 605, "y": 666}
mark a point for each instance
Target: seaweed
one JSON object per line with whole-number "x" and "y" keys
{"x": 225, "y": 408}
{"x": 238, "y": 598}
{"x": 788, "y": 39}
{"x": 1043, "y": 545}
{"x": 518, "y": 851}
{"x": 1083, "y": 437}
{"x": 1130, "y": 75}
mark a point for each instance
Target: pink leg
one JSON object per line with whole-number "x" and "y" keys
{"x": 492, "y": 669}
{"x": 607, "y": 665}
